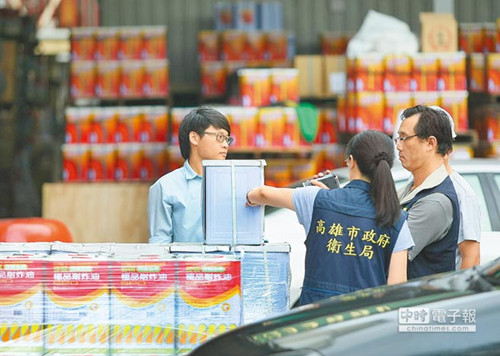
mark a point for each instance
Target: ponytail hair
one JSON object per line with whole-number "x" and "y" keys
{"x": 373, "y": 152}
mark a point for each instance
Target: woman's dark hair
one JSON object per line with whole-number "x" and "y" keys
{"x": 198, "y": 120}
{"x": 373, "y": 151}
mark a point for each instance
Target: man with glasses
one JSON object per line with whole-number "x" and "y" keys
{"x": 174, "y": 202}
{"x": 423, "y": 140}
{"x": 469, "y": 233}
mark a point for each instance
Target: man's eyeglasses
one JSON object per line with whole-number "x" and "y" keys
{"x": 221, "y": 137}
{"x": 397, "y": 140}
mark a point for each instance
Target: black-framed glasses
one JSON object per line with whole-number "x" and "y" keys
{"x": 220, "y": 137}
{"x": 397, "y": 140}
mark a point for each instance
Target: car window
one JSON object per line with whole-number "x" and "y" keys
{"x": 473, "y": 180}
{"x": 497, "y": 180}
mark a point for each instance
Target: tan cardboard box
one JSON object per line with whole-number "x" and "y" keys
{"x": 335, "y": 74}
{"x": 439, "y": 32}
{"x": 311, "y": 75}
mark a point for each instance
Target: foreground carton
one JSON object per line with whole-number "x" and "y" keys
{"x": 21, "y": 303}
{"x": 208, "y": 298}
{"x": 77, "y": 305}
{"x": 142, "y": 305}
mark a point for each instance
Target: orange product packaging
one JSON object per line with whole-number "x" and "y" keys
{"x": 350, "y": 109}
{"x": 142, "y": 304}
{"x": 492, "y": 128}
{"x": 303, "y": 169}
{"x": 108, "y": 79}
{"x": 271, "y": 127}
{"x": 132, "y": 79}
{"x": 333, "y": 43}
{"x": 493, "y": 73}
{"x": 104, "y": 125}
{"x": 208, "y": 298}
{"x": 102, "y": 162}
{"x": 397, "y": 74}
{"x": 334, "y": 156}
{"x": 426, "y": 98}
{"x": 78, "y": 124}
{"x": 22, "y": 303}
{"x": 425, "y": 72}
{"x": 394, "y": 104}
{"x": 327, "y": 132}
{"x": 255, "y": 87}
{"x": 455, "y": 102}
{"x": 497, "y": 37}
{"x": 213, "y": 78}
{"x": 233, "y": 45}
{"x": 128, "y": 161}
{"x": 83, "y": 43}
{"x": 244, "y": 122}
{"x": 490, "y": 37}
{"x": 470, "y": 37}
{"x": 452, "y": 71}
{"x": 154, "y": 42}
{"x": 131, "y": 43}
{"x": 155, "y": 124}
{"x": 208, "y": 45}
{"x": 320, "y": 119}
{"x": 130, "y": 123}
{"x": 368, "y": 111}
{"x": 77, "y": 304}
{"x": 156, "y": 78}
{"x": 76, "y": 158}
{"x": 108, "y": 43}
{"x": 342, "y": 114}
{"x": 350, "y": 66}
{"x": 284, "y": 85}
{"x": 487, "y": 125}
{"x": 477, "y": 72}
{"x": 255, "y": 46}
{"x": 292, "y": 137}
{"x": 83, "y": 80}
{"x": 176, "y": 117}
{"x": 318, "y": 156}
{"x": 174, "y": 158}
{"x": 368, "y": 72}
{"x": 278, "y": 173}
{"x": 68, "y": 12}
{"x": 154, "y": 161}
{"x": 277, "y": 45}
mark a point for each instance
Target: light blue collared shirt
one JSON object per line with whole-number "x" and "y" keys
{"x": 174, "y": 207}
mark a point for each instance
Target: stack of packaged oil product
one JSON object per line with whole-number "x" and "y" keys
{"x": 144, "y": 299}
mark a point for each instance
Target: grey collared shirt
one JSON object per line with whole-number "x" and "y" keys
{"x": 429, "y": 218}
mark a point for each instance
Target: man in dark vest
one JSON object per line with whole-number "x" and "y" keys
{"x": 430, "y": 200}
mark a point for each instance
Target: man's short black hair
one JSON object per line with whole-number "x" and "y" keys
{"x": 198, "y": 120}
{"x": 432, "y": 123}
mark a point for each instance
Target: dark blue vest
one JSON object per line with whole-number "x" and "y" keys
{"x": 345, "y": 249}
{"x": 439, "y": 256}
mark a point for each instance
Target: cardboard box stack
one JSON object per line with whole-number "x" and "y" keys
{"x": 115, "y": 143}
{"x": 119, "y": 62}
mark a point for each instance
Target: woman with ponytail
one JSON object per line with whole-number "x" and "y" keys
{"x": 357, "y": 236}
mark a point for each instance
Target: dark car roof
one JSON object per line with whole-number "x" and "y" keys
{"x": 274, "y": 336}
